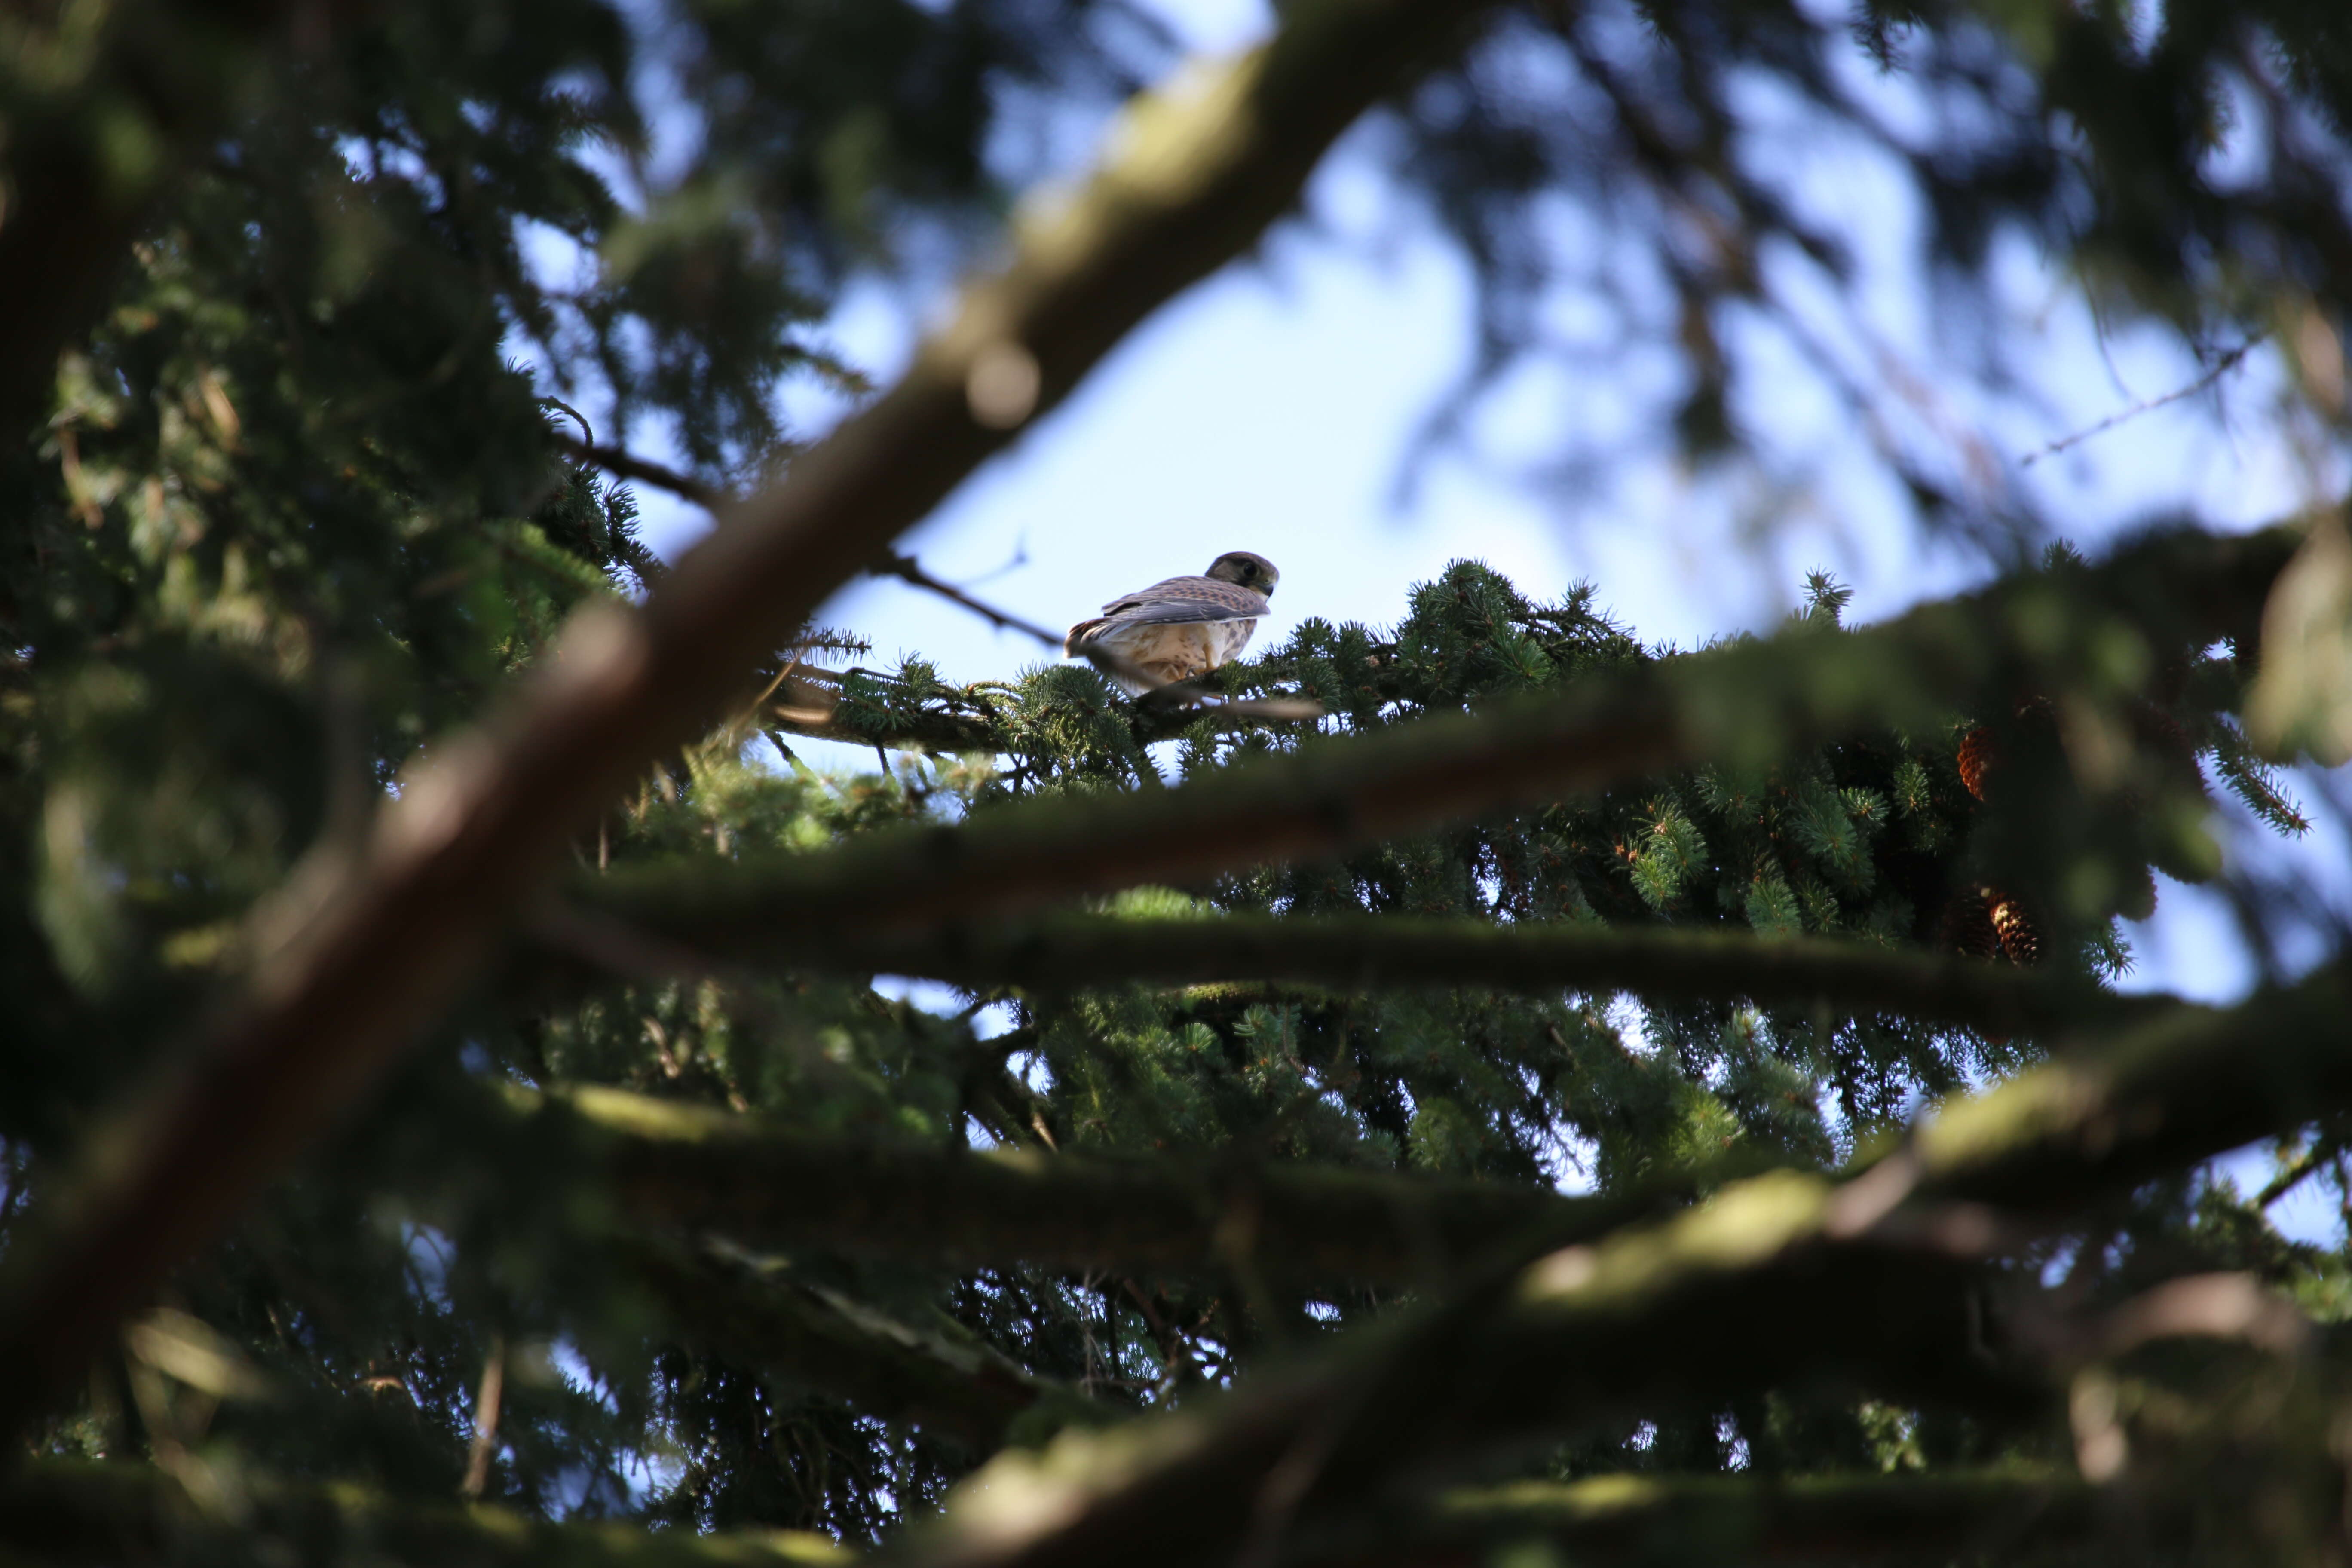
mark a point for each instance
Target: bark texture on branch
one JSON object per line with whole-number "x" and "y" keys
{"x": 360, "y": 950}
{"x": 1353, "y": 953}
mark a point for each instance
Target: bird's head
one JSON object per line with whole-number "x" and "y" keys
{"x": 1244, "y": 570}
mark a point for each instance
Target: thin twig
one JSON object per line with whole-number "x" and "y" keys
{"x": 587, "y": 431}
{"x": 629, "y": 466}
{"x": 2222, "y": 367}
{"x": 907, "y": 569}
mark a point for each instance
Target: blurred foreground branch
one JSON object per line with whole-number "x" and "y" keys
{"x": 1785, "y": 1277}
{"x": 1359, "y": 951}
{"x": 365, "y": 946}
{"x": 2156, "y": 1096}
{"x": 1728, "y": 1518}
{"x": 805, "y": 1335}
{"x": 104, "y": 110}
{"x": 677, "y": 1165}
{"x": 63, "y": 1513}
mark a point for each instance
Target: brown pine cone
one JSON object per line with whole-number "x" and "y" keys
{"x": 1987, "y": 924}
{"x": 1980, "y": 755}
{"x": 2019, "y": 938}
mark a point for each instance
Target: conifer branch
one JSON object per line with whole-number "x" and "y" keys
{"x": 1745, "y": 1294}
{"x": 1780, "y": 1278}
{"x": 2182, "y": 1086}
{"x": 685, "y": 1166}
{"x": 60, "y": 1510}
{"x": 805, "y": 1334}
{"x": 1744, "y": 704}
{"x": 365, "y": 947}
{"x": 629, "y": 466}
{"x": 1370, "y": 951}
{"x": 1925, "y": 1517}
{"x": 811, "y": 703}
{"x": 2185, "y": 1086}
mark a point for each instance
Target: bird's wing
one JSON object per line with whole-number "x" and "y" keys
{"x": 1188, "y": 599}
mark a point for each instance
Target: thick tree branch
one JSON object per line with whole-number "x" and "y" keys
{"x": 2173, "y": 1091}
{"x": 687, "y": 1166}
{"x": 1929, "y": 1518}
{"x": 1749, "y": 1292}
{"x": 364, "y": 948}
{"x": 811, "y": 703}
{"x": 1746, "y": 705}
{"x": 57, "y": 1510}
{"x": 1355, "y": 952}
{"x": 2183, "y": 1086}
{"x": 1786, "y": 1276}
{"x": 759, "y": 1316}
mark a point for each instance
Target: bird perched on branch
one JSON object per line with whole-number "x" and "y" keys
{"x": 1182, "y": 628}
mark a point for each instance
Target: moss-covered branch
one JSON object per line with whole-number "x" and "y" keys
{"x": 61, "y": 1512}
{"x": 1742, "y": 706}
{"x": 2182, "y": 1086}
{"x": 818, "y": 703}
{"x": 369, "y": 942}
{"x": 1786, "y": 1278}
{"x": 1926, "y": 1518}
{"x": 66, "y": 1512}
{"x": 811, "y": 702}
{"x": 1351, "y": 951}
{"x": 1747, "y": 1292}
{"x": 685, "y": 1165}
{"x": 934, "y": 1375}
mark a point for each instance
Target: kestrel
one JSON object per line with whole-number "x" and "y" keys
{"x": 1184, "y": 627}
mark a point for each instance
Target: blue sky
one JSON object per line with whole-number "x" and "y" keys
{"x": 1267, "y": 409}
